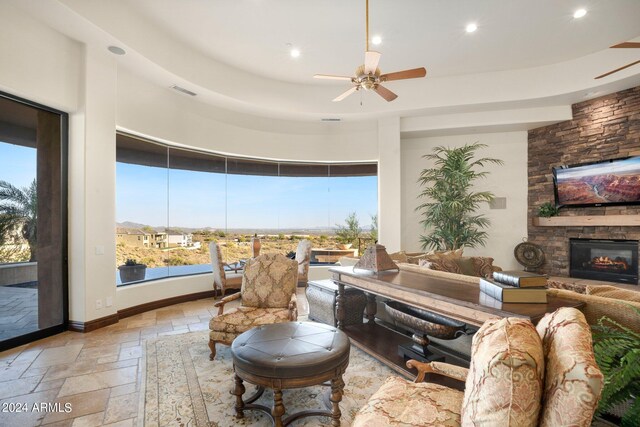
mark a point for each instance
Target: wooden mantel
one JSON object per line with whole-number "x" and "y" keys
{"x": 588, "y": 221}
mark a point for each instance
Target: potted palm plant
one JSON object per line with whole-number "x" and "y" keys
{"x": 449, "y": 214}
{"x": 131, "y": 271}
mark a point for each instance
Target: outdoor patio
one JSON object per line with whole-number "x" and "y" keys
{"x": 18, "y": 311}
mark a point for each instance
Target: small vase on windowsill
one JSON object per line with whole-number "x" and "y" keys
{"x": 255, "y": 245}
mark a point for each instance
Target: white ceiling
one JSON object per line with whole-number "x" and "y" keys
{"x": 253, "y": 34}
{"x": 234, "y": 53}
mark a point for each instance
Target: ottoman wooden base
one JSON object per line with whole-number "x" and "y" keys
{"x": 290, "y": 355}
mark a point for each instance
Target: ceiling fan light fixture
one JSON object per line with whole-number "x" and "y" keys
{"x": 368, "y": 75}
{"x": 471, "y": 27}
{"x": 579, "y": 13}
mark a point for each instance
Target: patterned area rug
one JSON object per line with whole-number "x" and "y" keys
{"x": 181, "y": 387}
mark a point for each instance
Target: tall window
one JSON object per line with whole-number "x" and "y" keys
{"x": 172, "y": 202}
{"x": 32, "y": 222}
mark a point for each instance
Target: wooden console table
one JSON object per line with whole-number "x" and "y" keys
{"x": 449, "y": 297}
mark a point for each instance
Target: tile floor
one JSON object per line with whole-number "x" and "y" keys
{"x": 98, "y": 373}
{"x": 18, "y": 311}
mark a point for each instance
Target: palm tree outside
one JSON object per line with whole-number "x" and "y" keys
{"x": 19, "y": 214}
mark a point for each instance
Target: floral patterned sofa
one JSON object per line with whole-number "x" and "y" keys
{"x": 520, "y": 375}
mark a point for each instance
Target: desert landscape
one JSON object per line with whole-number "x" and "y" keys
{"x": 606, "y": 188}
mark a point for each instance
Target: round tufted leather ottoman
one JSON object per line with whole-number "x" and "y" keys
{"x": 290, "y": 355}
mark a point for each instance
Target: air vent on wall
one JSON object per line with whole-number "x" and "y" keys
{"x": 331, "y": 119}
{"x": 183, "y": 90}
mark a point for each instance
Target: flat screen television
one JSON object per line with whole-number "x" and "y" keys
{"x": 603, "y": 183}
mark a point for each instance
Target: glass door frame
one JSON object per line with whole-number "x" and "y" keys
{"x": 64, "y": 225}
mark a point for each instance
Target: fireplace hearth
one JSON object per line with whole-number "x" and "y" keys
{"x": 608, "y": 260}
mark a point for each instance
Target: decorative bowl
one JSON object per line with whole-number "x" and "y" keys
{"x": 424, "y": 322}
{"x": 344, "y": 246}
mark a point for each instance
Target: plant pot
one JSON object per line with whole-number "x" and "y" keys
{"x": 132, "y": 273}
{"x": 344, "y": 246}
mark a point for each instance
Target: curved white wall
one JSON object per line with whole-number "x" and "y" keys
{"x": 164, "y": 114}
{"x": 159, "y": 113}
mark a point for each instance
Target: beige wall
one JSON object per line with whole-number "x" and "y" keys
{"x": 508, "y": 226}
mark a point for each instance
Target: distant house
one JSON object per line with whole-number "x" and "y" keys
{"x": 180, "y": 239}
{"x": 133, "y": 237}
{"x": 159, "y": 240}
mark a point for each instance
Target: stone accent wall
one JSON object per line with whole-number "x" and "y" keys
{"x": 602, "y": 128}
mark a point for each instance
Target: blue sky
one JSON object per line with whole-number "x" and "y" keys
{"x": 17, "y": 164}
{"x": 197, "y": 199}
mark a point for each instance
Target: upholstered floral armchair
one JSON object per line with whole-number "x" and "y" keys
{"x": 519, "y": 376}
{"x": 268, "y": 295}
{"x": 303, "y": 257}
{"x": 221, "y": 279}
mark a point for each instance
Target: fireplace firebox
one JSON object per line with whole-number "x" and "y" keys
{"x": 608, "y": 260}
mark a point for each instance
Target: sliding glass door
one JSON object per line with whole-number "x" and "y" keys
{"x": 33, "y": 270}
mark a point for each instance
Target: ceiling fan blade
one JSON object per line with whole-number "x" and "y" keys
{"x": 406, "y": 74}
{"x": 617, "y": 69}
{"x": 627, "y": 45}
{"x": 385, "y": 93}
{"x": 330, "y": 77}
{"x": 347, "y": 93}
{"x": 371, "y": 59}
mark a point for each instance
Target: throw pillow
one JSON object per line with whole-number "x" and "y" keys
{"x": 466, "y": 266}
{"x": 399, "y": 256}
{"x": 440, "y": 264}
{"x": 607, "y": 291}
{"x": 482, "y": 266}
{"x": 504, "y": 384}
{"x": 573, "y": 381}
{"x": 455, "y": 253}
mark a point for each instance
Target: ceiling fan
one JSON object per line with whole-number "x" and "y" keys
{"x": 368, "y": 77}
{"x": 625, "y": 45}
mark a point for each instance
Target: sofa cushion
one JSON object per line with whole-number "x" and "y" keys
{"x": 466, "y": 266}
{"x": 440, "y": 264}
{"x": 596, "y": 307}
{"x": 573, "y": 381}
{"x": 579, "y": 288}
{"x": 607, "y": 291}
{"x": 472, "y": 280}
{"x": 504, "y": 385}
{"x": 469, "y": 266}
{"x": 399, "y": 256}
{"x": 483, "y": 266}
{"x": 244, "y": 318}
{"x": 416, "y": 257}
{"x": 402, "y": 403}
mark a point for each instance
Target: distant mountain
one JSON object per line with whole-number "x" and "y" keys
{"x": 289, "y": 231}
{"x": 129, "y": 224}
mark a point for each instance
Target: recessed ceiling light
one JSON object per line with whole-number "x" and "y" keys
{"x": 295, "y": 53}
{"x": 471, "y": 27}
{"x": 579, "y": 13}
{"x": 376, "y": 40}
{"x": 116, "y": 50}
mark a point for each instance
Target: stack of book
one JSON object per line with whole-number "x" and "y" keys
{"x": 515, "y": 286}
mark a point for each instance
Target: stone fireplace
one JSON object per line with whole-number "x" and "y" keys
{"x": 602, "y": 128}
{"x": 609, "y": 260}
